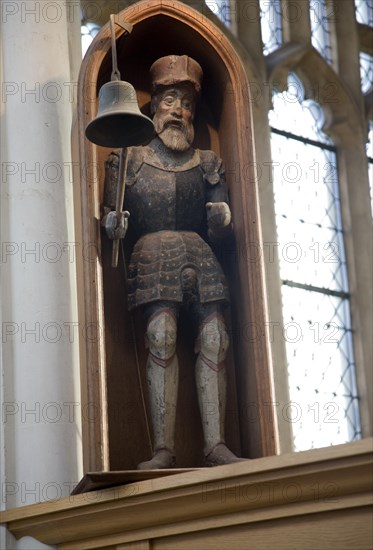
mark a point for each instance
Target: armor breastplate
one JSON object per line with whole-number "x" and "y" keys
{"x": 163, "y": 199}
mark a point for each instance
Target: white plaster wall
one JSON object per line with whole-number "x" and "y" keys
{"x": 41, "y": 427}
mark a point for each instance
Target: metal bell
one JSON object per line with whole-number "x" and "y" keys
{"x": 119, "y": 121}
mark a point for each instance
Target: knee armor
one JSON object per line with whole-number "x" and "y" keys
{"x": 161, "y": 337}
{"x": 214, "y": 340}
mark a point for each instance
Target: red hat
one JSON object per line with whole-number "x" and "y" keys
{"x": 174, "y": 69}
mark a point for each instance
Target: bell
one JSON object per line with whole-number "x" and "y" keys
{"x": 119, "y": 121}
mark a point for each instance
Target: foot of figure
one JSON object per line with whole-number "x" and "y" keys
{"x": 163, "y": 458}
{"x": 220, "y": 455}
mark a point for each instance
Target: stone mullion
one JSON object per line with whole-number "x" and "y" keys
{"x": 296, "y": 24}
{"x": 346, "y": 47}
{"x": 260, "y": 97}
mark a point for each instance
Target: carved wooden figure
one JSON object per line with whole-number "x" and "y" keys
{"x": 117, "y": 411}
{"x": 177, "y": 201}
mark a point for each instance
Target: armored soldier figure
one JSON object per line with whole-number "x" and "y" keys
{"x": 177, "y": 200}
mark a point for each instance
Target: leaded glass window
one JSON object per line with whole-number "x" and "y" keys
{"x": 317, "y": 326}
{"x": 88, "y": 32}
{"x": 271, "y": 25}
{"x": 221, "y": 8}
{"x": 366, "y": 72}
{"x": 320, "y": 29}
{"x": 364, "y": 12}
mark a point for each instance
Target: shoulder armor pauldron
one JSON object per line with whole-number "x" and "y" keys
{"x": 135, "y": 161}
{"x": 211, "y": 167}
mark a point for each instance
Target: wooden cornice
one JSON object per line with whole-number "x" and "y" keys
{"x": 273, "y": 488}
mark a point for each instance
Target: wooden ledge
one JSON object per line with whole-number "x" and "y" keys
{"x": 321, "y": 481}
{"x": 97, "y": 481}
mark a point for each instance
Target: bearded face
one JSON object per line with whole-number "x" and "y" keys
{"x": 173, "y": 119}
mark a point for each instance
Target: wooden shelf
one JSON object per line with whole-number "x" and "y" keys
{"x": 311, "y": 500}
{"x": 95, "y": 481}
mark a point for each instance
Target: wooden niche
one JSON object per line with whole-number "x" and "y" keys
{"x": 113, "y": 364}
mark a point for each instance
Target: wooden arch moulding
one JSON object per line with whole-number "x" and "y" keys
{"x": 116, "y": 432}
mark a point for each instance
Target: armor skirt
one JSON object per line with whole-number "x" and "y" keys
{"x": 157, "y": 264}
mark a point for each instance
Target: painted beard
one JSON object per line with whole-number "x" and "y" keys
{"x": 175, "y": 134}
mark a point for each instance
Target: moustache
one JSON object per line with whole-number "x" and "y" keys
{"x": 173, "y": 123}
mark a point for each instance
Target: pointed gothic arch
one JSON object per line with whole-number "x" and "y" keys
{"x": 115, "y": 430}
{"x": 321, "y": 83}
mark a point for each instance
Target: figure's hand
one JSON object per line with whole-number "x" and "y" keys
{"x": 218, "y": 216}
{"x": 116, "y": 228}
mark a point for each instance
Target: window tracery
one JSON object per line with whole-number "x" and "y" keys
{"x": 315, "y": 292}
